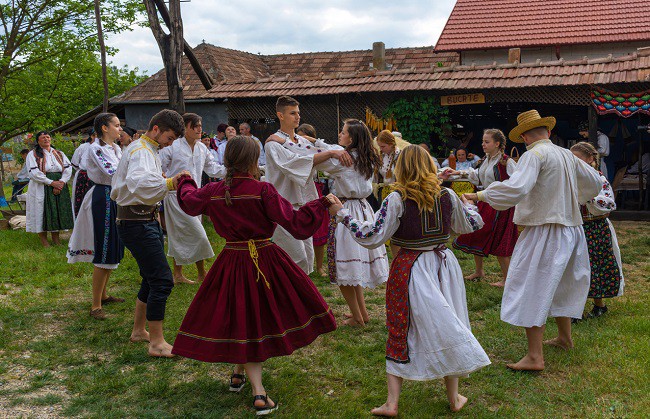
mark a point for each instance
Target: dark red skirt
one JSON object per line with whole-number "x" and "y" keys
{"x": 320, "y": 237}
{"x": 242, "y": 315}
{"x": 82, "y": 186}
{"x": 497, "y": 237}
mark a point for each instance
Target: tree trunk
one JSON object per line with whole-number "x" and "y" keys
{"x": 102, "y": 48}
{"x": 171, "y": 48}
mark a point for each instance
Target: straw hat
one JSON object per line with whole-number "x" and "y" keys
{"x": 527, "y": 121}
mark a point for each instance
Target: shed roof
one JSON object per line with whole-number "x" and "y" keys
{"x": 489, "y": 24}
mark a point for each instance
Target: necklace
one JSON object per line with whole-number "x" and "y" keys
{"x": 287, "y": 136}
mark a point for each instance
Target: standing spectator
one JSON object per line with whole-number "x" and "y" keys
{"x": 245, "y": 130}
{"x": 603, "y": 144}
{"x": 220, "y": 142}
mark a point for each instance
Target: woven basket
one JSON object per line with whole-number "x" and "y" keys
{"x": 513, "y": 151}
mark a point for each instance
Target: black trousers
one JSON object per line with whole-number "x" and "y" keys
{"x": 145, "y": 241}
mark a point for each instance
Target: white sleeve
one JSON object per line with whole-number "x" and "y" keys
{"x": 604, "y": 202}
{"x": 507, "y": 194}
{"x": 511, "y": 167}
{"x": 464, "y": 218}
{"x": 212, "y": 168}
{"x": 76, "y": 156}
{"x": 445, "y": 163}
{"x": 374, "y": 233}
{"x": 34, "y": 172}
{"x": 472, "y": 174}
{"x": 66, "y": 174}
{"x": 603, "y": 145}
{"x": 588, "y": 180}
{"x": 320, "y": 143}
{"x": 99, "y": 160}
{"x": 165, "y": 156}
{"x": 262, "y": 159}
{"x": 296, "y": 168}
{"x": 144, "y": 179}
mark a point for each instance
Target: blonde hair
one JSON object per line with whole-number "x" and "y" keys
{"x": 498, "y": 136}
{"x": 417, "y": 177}
{"x": 587, "y": 150}
{"x": 387, "y": 138}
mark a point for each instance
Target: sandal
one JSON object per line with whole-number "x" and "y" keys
{"x": 267, "y": 408}
{"x": 111, "y": 299}
{"x": 236, "y": 387}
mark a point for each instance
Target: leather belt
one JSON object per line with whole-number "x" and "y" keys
{"x": 137, "y": 212}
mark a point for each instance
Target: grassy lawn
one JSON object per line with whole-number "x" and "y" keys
{"x": 56, "y": 361}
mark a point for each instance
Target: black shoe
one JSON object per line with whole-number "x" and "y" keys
{"x": 597, "y": 312}
{"x": 574, "y": 321}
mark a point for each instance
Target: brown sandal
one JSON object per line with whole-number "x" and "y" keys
{"x": 98, "y": 314}
{"x": 111, "y": 299}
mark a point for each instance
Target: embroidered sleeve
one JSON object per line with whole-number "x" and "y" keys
{"x": 103, "y": 162}
{"x": 603, "y": 203}
{"x": 464, "y": 218}
{"x": 375, "y": 232}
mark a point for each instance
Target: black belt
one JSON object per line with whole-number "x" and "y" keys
{"x": 137, "y": 212}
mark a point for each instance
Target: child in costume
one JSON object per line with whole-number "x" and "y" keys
{"x": 255, "y": 302}
{"x": 429, "y": 334}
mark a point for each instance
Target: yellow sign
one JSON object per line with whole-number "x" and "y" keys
{"x": 467, "y": 99}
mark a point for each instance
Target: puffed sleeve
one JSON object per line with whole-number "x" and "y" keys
{"x": 34, "y": 172}
{"x": 374, "y": 233}
{"x": 301, "y": 223}
{"x": 464, "y": 217}
{"x": 296, "y": 168}
{"x": 472, "y": 175}
{"x": 165, "y": 156}
{"x": 507, "y": 194}
{"x": 511, "y": 166}
{"x": 100, "y": 161}
{"x": 603, "y": 203}
{"x": 588, "y": 180}
{"x": 211, "y": 167}
{"x": 66, "y": 174}
{"x": 76, "y": 156}
{"x": 192, "y": 199}
{"x": 144, "y": 179}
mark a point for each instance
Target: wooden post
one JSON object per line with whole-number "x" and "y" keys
{"x": 593, "y": 126}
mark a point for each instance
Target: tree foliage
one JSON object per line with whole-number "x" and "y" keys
{"x": 48, "y": 70}
{"x": 420, "y": 118}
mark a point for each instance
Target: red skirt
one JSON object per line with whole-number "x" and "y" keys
{"x": 244, "y": 314}
{"x": 497, "y": 237}
{"x": 320, "y": 237}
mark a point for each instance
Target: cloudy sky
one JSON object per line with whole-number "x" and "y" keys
{"x": 279, "y": 27}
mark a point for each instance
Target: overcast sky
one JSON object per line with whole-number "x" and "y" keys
{"x": 280, "y": 27}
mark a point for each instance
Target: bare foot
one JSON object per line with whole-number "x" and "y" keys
{"x": 559, "y": 343}
{"x": 458, "y": 403}
{"x": 385, "y": 410}
{"x": 476, "y": 276}
{"x": 260, "y": 403}
{"x": 349, "y": 316}
{"x": 322, "y": 272}
{"x": 139, "y": 337}
{"x": 163, "y": 350}
{"x": 200, "y": 278}
{"x": 45, "y": 243}
{"x": 352, "y": 323}
{"x": 527, "y": 364}
{"x": 182, "y": 280}
{"x": 499, "y": 284}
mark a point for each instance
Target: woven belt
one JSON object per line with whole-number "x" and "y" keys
{"x": 137, "y": 212}
{"x": 251, "y": 246}
{"x": 594, "y": 217}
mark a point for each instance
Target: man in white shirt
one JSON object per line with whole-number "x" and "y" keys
{"x": 220, "y": 141}
{"x": 603, "y": 144}
{"x": 187, "y": 241}
{"x": 138, "y": 186}
{"x": 292, "y": 172}
{"x": 549, "y": 272}
{"x": 245, "y": 130}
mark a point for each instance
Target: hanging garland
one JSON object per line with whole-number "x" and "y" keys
{"x": 624, "y": 104}
{"x": 377, "y": 124}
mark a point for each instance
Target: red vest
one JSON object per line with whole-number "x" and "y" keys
{"x": 423, "y": 229}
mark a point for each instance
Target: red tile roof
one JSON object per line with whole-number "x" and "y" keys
{"x": 627, "y": 69}
{"x": 489, "y": 24}
{"x": 232, "y": 66}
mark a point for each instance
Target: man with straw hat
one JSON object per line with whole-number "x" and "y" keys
{"x": 549, "y": 272}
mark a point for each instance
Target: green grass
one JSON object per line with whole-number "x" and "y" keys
{"x": 56, "y": 361}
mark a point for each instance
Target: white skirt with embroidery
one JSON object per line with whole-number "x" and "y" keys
{"x": 440, "y": 341}
{"x": 356, "y": 265}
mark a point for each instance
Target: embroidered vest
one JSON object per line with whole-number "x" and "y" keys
{"x": 40, "y": 161}
{"x": 418, "y": 230}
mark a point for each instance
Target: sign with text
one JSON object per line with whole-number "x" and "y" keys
{"x": 466, "y": 99}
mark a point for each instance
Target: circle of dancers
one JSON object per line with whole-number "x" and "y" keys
{"x": 257, "y": 300}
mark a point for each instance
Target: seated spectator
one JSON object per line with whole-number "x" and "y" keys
{"x": 645, "y": 164}
{"x": 463, "y": 160}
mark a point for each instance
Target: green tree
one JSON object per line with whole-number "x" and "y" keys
{"x": 420, "y": 117}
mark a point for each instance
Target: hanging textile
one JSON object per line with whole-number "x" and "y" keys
{"x": 624, "y": 104}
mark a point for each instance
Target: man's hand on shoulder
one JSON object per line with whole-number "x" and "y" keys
{"x": 275, "y": 138}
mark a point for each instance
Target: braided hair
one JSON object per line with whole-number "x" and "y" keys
{"x": 241, "y": 156}
{"x": 587, "y": 150}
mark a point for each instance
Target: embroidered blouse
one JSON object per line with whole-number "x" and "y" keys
{"x": 601, "y": 205}
{"x": 374, "y": 233}
{"x": 180, "y": 156}
{"x": 102, "y": 162}
{"x": 484, "y": 175}
{"x": 388, "y": 163}
{"x": 51, "y": 165}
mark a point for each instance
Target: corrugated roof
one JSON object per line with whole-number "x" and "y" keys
{"x": 631, "y": 68}
{"x": 489, "y": 24}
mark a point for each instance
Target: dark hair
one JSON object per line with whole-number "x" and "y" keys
{"x": 222, "y": 127}
{"x": 367, "y": 159}
{"x": 168, "y": 120}
{"x": 284, "y": 102}
{"x": 307, "y": 130}
{"x": 102, "y": 120}
{"x": 37, "y": 148}
{"x": 241, "y": 156}
{"x": 191, "y": 119}
{"x": 129, "y": 131}
{"x": 458, "y": 149}
{"x": 24, "y": 151}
